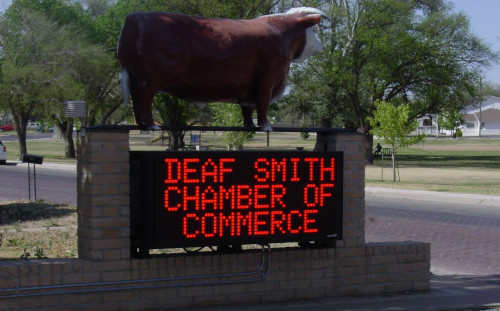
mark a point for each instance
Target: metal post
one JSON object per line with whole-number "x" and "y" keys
{"x": 34, "y": 177}
{"x": 29, "y": 183}
{"x": 35, "y": 159}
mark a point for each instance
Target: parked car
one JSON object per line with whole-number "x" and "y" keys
{"x": 6, "y": 128}
{"x": 45, "y": 128}
{"x": 32, "y": 125}
{"x": 3, "y": 153}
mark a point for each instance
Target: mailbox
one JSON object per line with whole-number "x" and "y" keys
{"x": 31, "y": 158}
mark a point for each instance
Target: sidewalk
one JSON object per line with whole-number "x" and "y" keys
{"x": 457, "y": 293}
{"x": 48, "y": 165}
{"x": 477, "y": 199}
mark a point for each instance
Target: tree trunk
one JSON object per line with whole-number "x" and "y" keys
{"x": 369, "y": 148}
{"x": 69, "y": 145}
{"x": 176, "y": 140}
{"x": 393, "y": 164}
{"x": 20, "y": 126}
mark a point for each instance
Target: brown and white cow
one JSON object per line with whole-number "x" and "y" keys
{"x": 204, "y": 60}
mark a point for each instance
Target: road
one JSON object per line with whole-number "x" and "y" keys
{"x": 54, "y": 183}
{"x": 464, "y": 230}
{"x": 29, "y": 136}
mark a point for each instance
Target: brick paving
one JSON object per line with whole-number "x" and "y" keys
{"x": 464, "y": 241}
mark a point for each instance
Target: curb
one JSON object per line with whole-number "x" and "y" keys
{"x": 479, "y": 199}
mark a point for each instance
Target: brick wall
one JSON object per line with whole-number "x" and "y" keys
{"x": 103, "y": 196}
{"x": 106, "y": 278}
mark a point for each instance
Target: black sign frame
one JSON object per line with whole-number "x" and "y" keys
{"x": 153, "y": 205}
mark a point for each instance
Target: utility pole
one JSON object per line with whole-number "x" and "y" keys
{"x": 480, "y": 104}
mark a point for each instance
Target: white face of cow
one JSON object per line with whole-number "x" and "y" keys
{"x": 312, "y": 47}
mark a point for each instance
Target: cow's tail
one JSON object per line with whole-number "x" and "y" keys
{"x": 125, "y": 85}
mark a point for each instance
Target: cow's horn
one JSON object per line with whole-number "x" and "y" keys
{"x": 307, "y": 11}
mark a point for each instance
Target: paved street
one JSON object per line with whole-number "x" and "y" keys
{"x": 464, "y": 230}
{"x": 54, "y": 183}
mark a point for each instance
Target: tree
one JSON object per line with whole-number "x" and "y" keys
{"x": 86, "y": 70}
{"x": 391, "y": 123}
{"x": 97, "y": 7}
{"x": 175, "y": 112}
{"x": 34, "y": 66}
{"x": 398, "y": 51}
{"x": 226, "y": 114}
{"x": 451, "y": 119}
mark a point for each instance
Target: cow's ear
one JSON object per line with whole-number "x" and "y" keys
{"x": 309, "y": 20}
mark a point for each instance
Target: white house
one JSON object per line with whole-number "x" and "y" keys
{"x": 428, "y": 125}
{"x": 483, "y": 118}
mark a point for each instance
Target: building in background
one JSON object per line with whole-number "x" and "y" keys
{"x": 483, "y": 118}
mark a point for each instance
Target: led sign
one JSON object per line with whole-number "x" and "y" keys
{"x": 227, "y": 198}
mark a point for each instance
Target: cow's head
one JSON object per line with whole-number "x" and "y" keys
{"x": 308, "y": 18}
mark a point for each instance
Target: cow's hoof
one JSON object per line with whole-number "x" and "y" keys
{"x": 266, "y": 127}
{"x": 154, "y": 127}
{"x": 249, "y": 125}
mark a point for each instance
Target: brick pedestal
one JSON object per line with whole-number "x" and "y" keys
{"x": 103, "y": 196}
{"x": 352, "y": 144}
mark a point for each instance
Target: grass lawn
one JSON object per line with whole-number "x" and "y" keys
{"x": 462, "y": 166}
{"x": 51, "y": 149}
{"x": 37, "y": 230}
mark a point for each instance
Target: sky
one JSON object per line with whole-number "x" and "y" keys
{"x": 484, "y": 17}
{"x": 483, "y": 14}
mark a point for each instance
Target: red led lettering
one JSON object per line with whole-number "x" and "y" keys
{"x": 257, "y": 223}
{"x": 167, "y": 199}
{"x": 278, "y": 167}
{"x": 227, "y": 195}
{"x": 277, "y": 224}
{"x": 170, "y": 167}
{"x": 223, "y": 170}
{"x": 209, "y": 197}
{"x": 308, "y": 221}
{"x": 209, "y": 232}
{"x": 185, "y": 226}
{"x": 262, "y": 172}
{"x": 277, "y": 194}
{"x": 191, "y": 198}
{"x": 323, "y": 194}
{"x": 227, "y": 221}
{"x": 295, "y": 163}
{"x": 243, "y": 200}
{"x": 259, "y": 196}
{"x": 290, "y": 221}
{"x": 276, "y": 197}
{"x": 311, "y": 167}
{"x": 243, "y": 221}
{"x": 209, "y": 173}
{"x": 186, "y": 171}
{"x": 330, "y": 169}
{"x": 315, "y": 195}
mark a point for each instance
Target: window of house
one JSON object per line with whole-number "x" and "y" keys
{"x": 469, "y": 125}
{"x": 427, "y": 122}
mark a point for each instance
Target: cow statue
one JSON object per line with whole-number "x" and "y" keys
{"x": 203, "y": 60}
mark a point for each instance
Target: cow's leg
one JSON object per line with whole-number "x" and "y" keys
{"x": 142, "y": 98}
{"x": 147, "y": 113}
{"x": 247, "y": 116}
{"x": 135, "y": 94}
{"x": 262, "y": 106}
